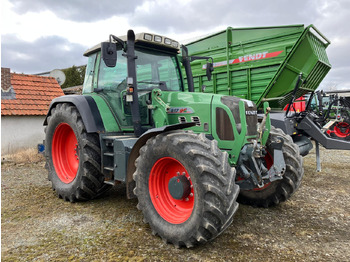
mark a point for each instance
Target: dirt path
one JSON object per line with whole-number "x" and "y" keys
{"x": 37, "y": 226}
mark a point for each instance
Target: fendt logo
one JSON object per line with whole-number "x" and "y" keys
{"x": 251, "y": 57}
{"x": 251, "y": 113}
{"x": 247, "y": 58}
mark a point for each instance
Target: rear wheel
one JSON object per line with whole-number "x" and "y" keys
{"x": 280, "y": 190}
{"x": 72, "y": 156}
{"x": 185, "y": 188}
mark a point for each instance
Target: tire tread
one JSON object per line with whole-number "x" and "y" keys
{"x": 219, "y": 204}
{"x": 91, "y": 182}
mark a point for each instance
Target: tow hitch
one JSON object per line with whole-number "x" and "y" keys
{"x": 252, "y": 169}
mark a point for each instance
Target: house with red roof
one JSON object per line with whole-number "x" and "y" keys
{"x": 25, "y": 100}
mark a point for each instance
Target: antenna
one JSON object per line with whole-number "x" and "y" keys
{"x": 59, "y": 76}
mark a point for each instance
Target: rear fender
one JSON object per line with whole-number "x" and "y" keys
{"x": 87, "y": 108}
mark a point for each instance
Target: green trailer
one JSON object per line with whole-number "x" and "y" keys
{"x": 262, "y": 63}
{"x": 270, "y": 64}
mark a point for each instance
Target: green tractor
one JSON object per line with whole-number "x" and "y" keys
{"x": 186, "y": 156}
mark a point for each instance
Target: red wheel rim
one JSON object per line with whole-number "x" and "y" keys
{"x": 268, "y": 162}
{"x": 172, "y": 210}
{"x": 65, "y": 155}
{"x": 342, "y": 129}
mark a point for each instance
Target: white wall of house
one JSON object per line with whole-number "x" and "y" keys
{"x": 21, "y": 132}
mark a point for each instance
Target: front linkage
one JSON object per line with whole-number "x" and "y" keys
{"x": 252, "y": 168}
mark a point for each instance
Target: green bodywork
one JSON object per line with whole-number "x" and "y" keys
{"x": 109, "y": 118}
{"x": 262, "y": 64}
{"x": 169, "y": 108}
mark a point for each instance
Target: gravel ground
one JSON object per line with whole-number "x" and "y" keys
{"x": 314, "y": 225}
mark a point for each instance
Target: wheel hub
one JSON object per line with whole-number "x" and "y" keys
{"x": 179, "y": 187}
{"x": 171, "y": 190}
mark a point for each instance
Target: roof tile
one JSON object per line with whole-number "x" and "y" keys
{"x": 33, "y": 95}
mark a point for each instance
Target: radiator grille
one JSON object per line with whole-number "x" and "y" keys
{"x": 196, "y": 120}
{"x": 223, "y": 125}
{"x": 250, "y": 112}
{"x": 182, "y": 119}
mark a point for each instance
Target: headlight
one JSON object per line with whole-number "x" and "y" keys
{"x": 147, "y": 37}
{"x": 175, "y": 44}
{"x": 167, "y": 41}
{"x": 157, "y": 38}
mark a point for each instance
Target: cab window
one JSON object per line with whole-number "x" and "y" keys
{"x": 113, "y": 78}
{"x": 89, "y": 74}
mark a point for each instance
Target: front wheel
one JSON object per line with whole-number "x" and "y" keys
{"x": 185, "y": 188}
{"x": 280, "y": 190}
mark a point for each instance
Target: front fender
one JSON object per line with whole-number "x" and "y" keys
{"x": 135, "y": 152}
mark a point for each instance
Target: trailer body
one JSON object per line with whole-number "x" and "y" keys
{"x": 262, "y": 63}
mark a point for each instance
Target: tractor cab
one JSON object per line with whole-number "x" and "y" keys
{"x": 157, "y": 67}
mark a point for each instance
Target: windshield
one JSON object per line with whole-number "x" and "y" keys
{"x": 153, "y": 70}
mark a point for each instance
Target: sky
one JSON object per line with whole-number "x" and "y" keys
{"x": 42, "y": 35}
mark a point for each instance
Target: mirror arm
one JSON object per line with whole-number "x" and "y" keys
{"x": 117, "y": 39}
{"x": 193, "y": 58}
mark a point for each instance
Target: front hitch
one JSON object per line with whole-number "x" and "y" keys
{"x": 251, "y": 167}
{"x": 278, "y": 168}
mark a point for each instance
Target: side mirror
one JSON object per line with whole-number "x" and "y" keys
{"x": 109, "y": 53}
{"x": 210, "y": 68}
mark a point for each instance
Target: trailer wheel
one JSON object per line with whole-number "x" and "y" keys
{"x": 72, "y": 156}
{"x": 340, "y": 130}
{"x": 185, "y": 187}
{"x": 280, "y": 190}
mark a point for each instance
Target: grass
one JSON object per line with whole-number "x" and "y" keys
{"x": 26, "y": 156}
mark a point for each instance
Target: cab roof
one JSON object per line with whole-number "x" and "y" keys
{"x": 145, "y": 39}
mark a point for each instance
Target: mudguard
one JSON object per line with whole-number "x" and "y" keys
{"x": 87, "y": 108}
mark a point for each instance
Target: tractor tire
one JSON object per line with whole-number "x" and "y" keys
{"x": 189, "y": 163}
{"x": 280, "y": 190}
{"x": 72, "y": 156}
